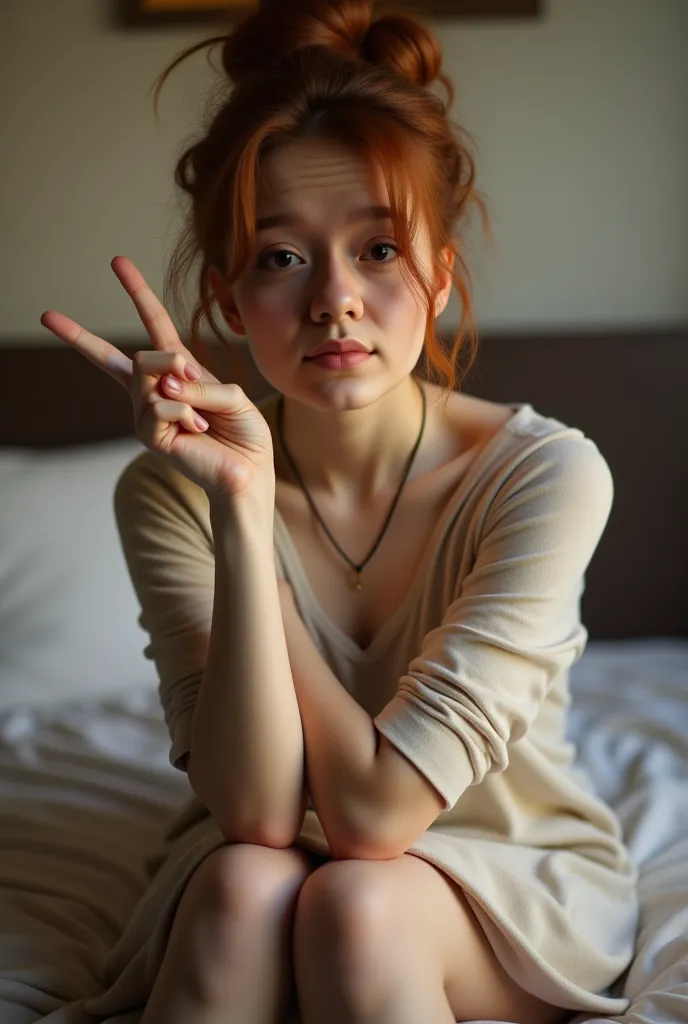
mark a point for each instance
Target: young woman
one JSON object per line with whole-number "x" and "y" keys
{"x": 363, "y": 593}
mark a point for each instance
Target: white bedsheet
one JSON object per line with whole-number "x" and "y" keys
{"x": 86, "y": 790}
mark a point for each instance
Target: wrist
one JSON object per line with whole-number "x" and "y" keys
{"x": 250, "y": 511}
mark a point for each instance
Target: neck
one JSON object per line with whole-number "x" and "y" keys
{"x": 355, "y": 456}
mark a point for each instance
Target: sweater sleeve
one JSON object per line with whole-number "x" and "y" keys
{"x": 164, "y": 527}
{"x": 481, "y": 676}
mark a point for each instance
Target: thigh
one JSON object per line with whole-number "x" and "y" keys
{"x": 418, "y": 911}
{"x": 476, "y": 984}
{"x": 231, "y": 935}
{"x": 235, "y": 886}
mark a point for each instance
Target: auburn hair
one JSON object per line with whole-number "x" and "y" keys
{"x": 329, "y": 69}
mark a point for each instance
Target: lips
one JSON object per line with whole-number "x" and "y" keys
{"x": 341, "y": 360}
{"x": 337, "y": 348}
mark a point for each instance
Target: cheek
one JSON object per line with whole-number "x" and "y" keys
{"x": 264, "y": 301}
{"x": 398, "y": 303}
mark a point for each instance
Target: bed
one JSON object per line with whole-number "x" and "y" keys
{"x": 86, "y": 789}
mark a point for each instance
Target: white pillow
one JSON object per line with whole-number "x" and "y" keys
{"x": 68, "y": 611}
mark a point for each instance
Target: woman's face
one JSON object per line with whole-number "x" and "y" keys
{"x": 324, "y": 267}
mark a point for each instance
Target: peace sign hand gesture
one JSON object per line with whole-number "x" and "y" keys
{"x": 224, "y": 458}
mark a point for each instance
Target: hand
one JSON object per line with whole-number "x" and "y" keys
{"x": 236, "y": 448}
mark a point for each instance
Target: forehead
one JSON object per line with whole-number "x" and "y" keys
{"x": 319, "y": 173}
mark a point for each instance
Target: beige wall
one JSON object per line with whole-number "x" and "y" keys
{"x": 580, "y": 119}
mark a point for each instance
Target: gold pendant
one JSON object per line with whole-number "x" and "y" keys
{"x": 357, "y": 584}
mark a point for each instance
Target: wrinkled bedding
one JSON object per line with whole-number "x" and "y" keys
{"x": 86, "y": 792}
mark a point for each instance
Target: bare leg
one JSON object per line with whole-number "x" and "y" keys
{"x": 394, "y": 942}
{"x": 355, "y": 971}
{"x": 228, "y": 959}
{"x": 395, "y": 987}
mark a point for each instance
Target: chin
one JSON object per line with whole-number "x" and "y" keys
{"x": 333, "y": 395}
{"x": 343, "y": 395}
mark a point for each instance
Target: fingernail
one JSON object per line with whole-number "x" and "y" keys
{"x": 172, "y": 385}
{"x": 200, "y": 422}
{"x": 191, "y": 373}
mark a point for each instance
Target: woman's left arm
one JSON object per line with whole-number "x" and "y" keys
{"x": 351, "y": 770}
{"x": 481, "y": 675}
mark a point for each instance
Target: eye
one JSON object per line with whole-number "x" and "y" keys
{"x": 279, "y": 254}
{"x": 387, "y": 249}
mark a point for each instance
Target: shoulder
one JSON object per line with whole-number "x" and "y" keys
{"x": 515, "y": 442}
{"x": 565, "y": 450}
{"x": 550, "y": 467}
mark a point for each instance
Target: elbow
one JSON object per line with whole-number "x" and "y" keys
{"x": 372, "y": 834}
{"x": 267, "y": 833}
{"x": 364, "y": 849}
{"x": 362, "y": 844}
{"x": 241, "y": 824}
{"x": 257, "y": 832}
{"x": 238, "y": 826}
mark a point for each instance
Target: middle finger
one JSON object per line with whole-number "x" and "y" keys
{"x": 153, "y": 314}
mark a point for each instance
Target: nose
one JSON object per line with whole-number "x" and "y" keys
{"x": 336, "y": 294}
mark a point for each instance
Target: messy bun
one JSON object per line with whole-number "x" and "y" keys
{"x": 347, "y": 27}
{"x": 329, "y": 68}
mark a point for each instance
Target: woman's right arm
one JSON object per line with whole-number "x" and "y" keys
{"x": 226, "y": 686}
{"x": 246, "y": 762}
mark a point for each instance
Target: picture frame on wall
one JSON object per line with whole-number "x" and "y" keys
{"x": 160, "y": 12}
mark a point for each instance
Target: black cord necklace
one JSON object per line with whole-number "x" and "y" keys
{"x": 358, "y": 569}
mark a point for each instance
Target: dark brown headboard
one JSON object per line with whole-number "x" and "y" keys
{"x": 626, "y": 390}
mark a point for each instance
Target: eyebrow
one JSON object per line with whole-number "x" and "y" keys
{"x": 278, "y": 220}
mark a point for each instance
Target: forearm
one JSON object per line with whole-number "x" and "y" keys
{"x": 247, "y": 753}
{"x": 340, "y": 739}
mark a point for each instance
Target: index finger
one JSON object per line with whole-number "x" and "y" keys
{"x": 153, "y": 314}
{"x": 97, "y": 350}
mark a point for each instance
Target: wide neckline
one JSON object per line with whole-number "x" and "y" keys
{"x": 389, "y": 629}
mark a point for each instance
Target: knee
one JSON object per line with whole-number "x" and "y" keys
{"x": 241, "y": 880}
{"x": 238, "y": 893}
{"x": 346, "y": 904}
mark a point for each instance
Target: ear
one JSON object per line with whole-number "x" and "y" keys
{"x": 444, "y": 281}
{"x": 225, "y": 300}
